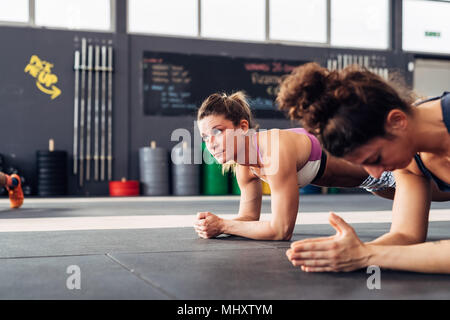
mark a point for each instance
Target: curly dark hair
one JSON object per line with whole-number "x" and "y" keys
{"x": 346, "y": 108}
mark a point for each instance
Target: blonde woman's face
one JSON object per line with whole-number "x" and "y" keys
{"x": 221, "y": 137}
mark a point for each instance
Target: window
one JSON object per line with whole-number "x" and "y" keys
{"x": 74, "y": 14}
{"x": 431, "y": 77}
{"x": 426, "y": 26}
{"x": 233, "y": 19}
{"x": 14, "y": 11}
{"x": 360, "y": 23}
{"x": 300, "y": 20}
{"x": 171, "y": 17}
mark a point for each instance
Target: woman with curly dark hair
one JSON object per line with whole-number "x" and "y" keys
{"x": 371, "y": 122}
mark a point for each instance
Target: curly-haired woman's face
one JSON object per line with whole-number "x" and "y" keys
{"x": 383, "y": 154}
{"x": 221, "y": 137}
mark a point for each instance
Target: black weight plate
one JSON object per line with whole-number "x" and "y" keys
{"x": 51, "y": 166}
{"x": 51, "y": 187}
{"x": 52, "y": 190}
{"x": 51, "y": 163}
{"x": 51, "y": 184}
{"x": 47, "y": 179}
{"x": 50, "y": 194}
{"x": 51, "y": 160}
{"x": 51, "y": 177}
{"x": 46, "y": 160}
{"x": 58, "y": 182}
{"x": 55, "y": 154}
{"x": 3, "y": 191}
{"x": 52, "y": 171}
{"x": 64, "y": 161}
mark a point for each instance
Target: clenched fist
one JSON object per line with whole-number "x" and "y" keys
{"x": 208, "y": 225}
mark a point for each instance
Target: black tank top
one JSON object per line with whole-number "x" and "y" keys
{"x": 445, "y": 103}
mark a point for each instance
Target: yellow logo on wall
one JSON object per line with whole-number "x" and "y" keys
{"x": 45, "y": 80}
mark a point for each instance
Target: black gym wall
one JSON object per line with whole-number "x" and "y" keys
{"x": 29, "y": 117}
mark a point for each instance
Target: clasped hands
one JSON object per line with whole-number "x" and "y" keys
{"x": 208, "y": 225}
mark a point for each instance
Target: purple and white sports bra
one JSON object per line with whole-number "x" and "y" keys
{"x": 314, "y": 167}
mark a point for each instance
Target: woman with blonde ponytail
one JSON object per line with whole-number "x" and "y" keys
{"x": 286, "y": 159}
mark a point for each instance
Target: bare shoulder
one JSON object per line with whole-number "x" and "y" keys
{"x": 296, "y": 146}
{"x": 412, "y": 170}
{"x": 432, "y": 107}
{"x": 283, "y": 152}
{"x": 285, "y": 140}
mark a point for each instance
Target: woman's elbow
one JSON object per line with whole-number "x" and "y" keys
{"x": 410, "y": 239}
{"x": 418, "y": 239}
{"x": 282, "y": 234}
{"x": 287, "y": 237}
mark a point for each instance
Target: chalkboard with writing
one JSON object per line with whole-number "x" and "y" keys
{"x": 176, "y": 84}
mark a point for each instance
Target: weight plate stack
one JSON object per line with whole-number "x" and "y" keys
{"x": 51, "y": 173}
{"x": 185, "y": 174}
{"x": 186, "y": 179}
{"x": 154, "y": 171}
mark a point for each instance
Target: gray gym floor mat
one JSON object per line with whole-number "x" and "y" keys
{"x": 47, "y": 277}
{"x": 173, "y": 263}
